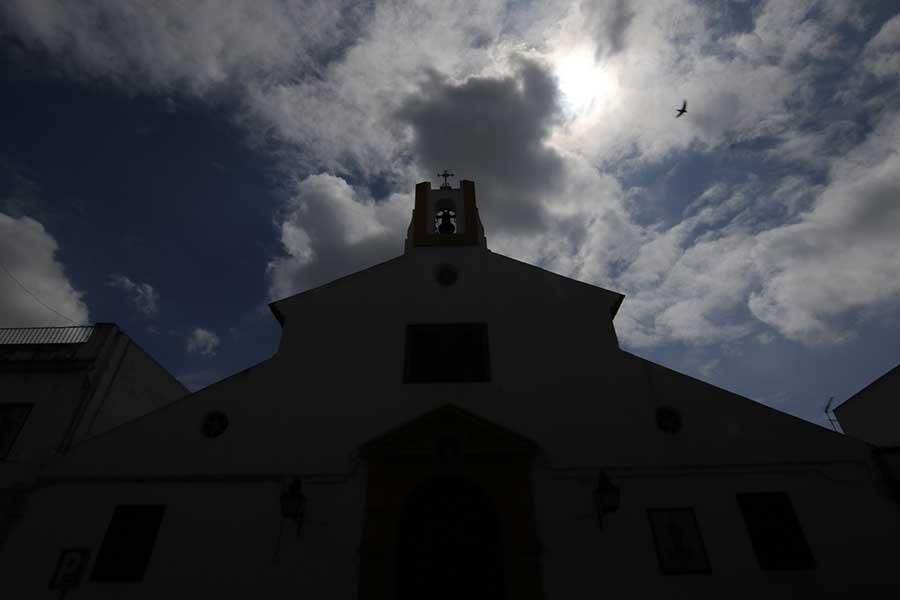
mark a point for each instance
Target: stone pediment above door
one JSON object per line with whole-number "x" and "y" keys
{"x": 451, "y": 426}
{"x": 429, "y": 467}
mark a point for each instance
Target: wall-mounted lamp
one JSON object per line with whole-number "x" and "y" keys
{"x": 293, "y": 502}
{"x": 606, "y": 497}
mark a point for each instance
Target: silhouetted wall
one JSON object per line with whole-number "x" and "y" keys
{"x": 873, "y": 414}
{"x": 558, "y": 378}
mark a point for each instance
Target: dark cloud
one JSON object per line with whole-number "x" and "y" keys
{"x": 492, "y": 131}
{"x": 19, "y": 192}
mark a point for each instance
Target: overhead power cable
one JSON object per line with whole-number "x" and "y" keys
{"x": 38, "y": 300}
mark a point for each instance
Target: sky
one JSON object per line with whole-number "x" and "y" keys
{"x": 173, "y": 167}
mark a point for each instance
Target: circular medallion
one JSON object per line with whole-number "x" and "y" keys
{"x": 668, "y": 419}
{"x": 446, "y": 275}
{"x": 215, "y": 424}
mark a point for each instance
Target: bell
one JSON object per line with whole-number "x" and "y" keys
{"x": 446, "y": 226}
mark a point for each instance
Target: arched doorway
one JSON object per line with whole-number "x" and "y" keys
{"x": 449, "y": 543}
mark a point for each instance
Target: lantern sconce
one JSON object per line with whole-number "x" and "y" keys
{"x": 607, "y": 497}
{"x": 293, "y": 502}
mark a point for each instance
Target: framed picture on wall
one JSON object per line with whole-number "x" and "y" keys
{"x": 679, "y": 545}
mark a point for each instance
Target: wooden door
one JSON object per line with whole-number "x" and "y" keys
{"x": 449, "y": 543}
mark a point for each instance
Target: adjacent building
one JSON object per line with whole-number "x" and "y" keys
{"x": 456, "y": 423}
{"x": 63, "y": 385}
{"x": 873, "y": 413}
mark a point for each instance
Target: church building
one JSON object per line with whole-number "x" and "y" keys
{"x": 453, "y": 423}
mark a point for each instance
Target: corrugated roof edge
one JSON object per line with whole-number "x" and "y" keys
{"x": 77, "y": 334}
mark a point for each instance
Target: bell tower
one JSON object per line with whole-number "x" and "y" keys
{"x": 445, "y": 216}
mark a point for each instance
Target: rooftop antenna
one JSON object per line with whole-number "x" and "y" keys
{"x": 829, "y": 413}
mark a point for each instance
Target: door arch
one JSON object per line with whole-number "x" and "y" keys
{"x": 449, "y": 543}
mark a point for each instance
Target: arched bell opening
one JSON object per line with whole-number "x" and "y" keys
{"x": 445, "y": 222}
{"x": 445, "y": 217}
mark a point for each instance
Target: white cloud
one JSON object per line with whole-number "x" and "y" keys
{"x": 348, "y": 98}
{"x": 725, "y": 270}
{"x": 843, "y": 254}
{"x": 338, "y": 115}
{"x": 344, "y": 121}
{"x": 728, "y": 268}
{"x": 881, "y": 55}
{"x": 586, "y": 217}
{"x": 330, "y": 229}
{"x": 28, "y": 253}
{"x": 708, "y": 368}
{"x": 203, "y": 342}
{"x": 167, "y": 45}
{"x": 687, "y": 285}
{"x": 145, "y": 298}
{"x": 739, "y": 86}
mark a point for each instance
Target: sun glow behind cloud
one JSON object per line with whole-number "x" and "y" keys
{"x": 586, "y": 86}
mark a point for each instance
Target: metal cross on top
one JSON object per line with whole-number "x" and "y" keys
{"x": 446, "y": 175}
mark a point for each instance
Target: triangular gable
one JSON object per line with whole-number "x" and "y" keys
{"x": 418, "y": 436}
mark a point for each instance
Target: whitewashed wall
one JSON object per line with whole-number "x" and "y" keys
{"x": 845, "y": 517}
{"x": 558, "y": 378}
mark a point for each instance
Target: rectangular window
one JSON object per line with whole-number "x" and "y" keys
{"x": 447, "y": 352}
{"x": 679, "y": 545}
{"x": 128, "y": 543}
{"x": 12, "y": 418}
{"x": 775, "y": 532}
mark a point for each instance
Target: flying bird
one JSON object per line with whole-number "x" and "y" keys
{"x": 681, "y": 110}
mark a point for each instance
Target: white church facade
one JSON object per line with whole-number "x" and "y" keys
{"x": 453, "y": 423}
